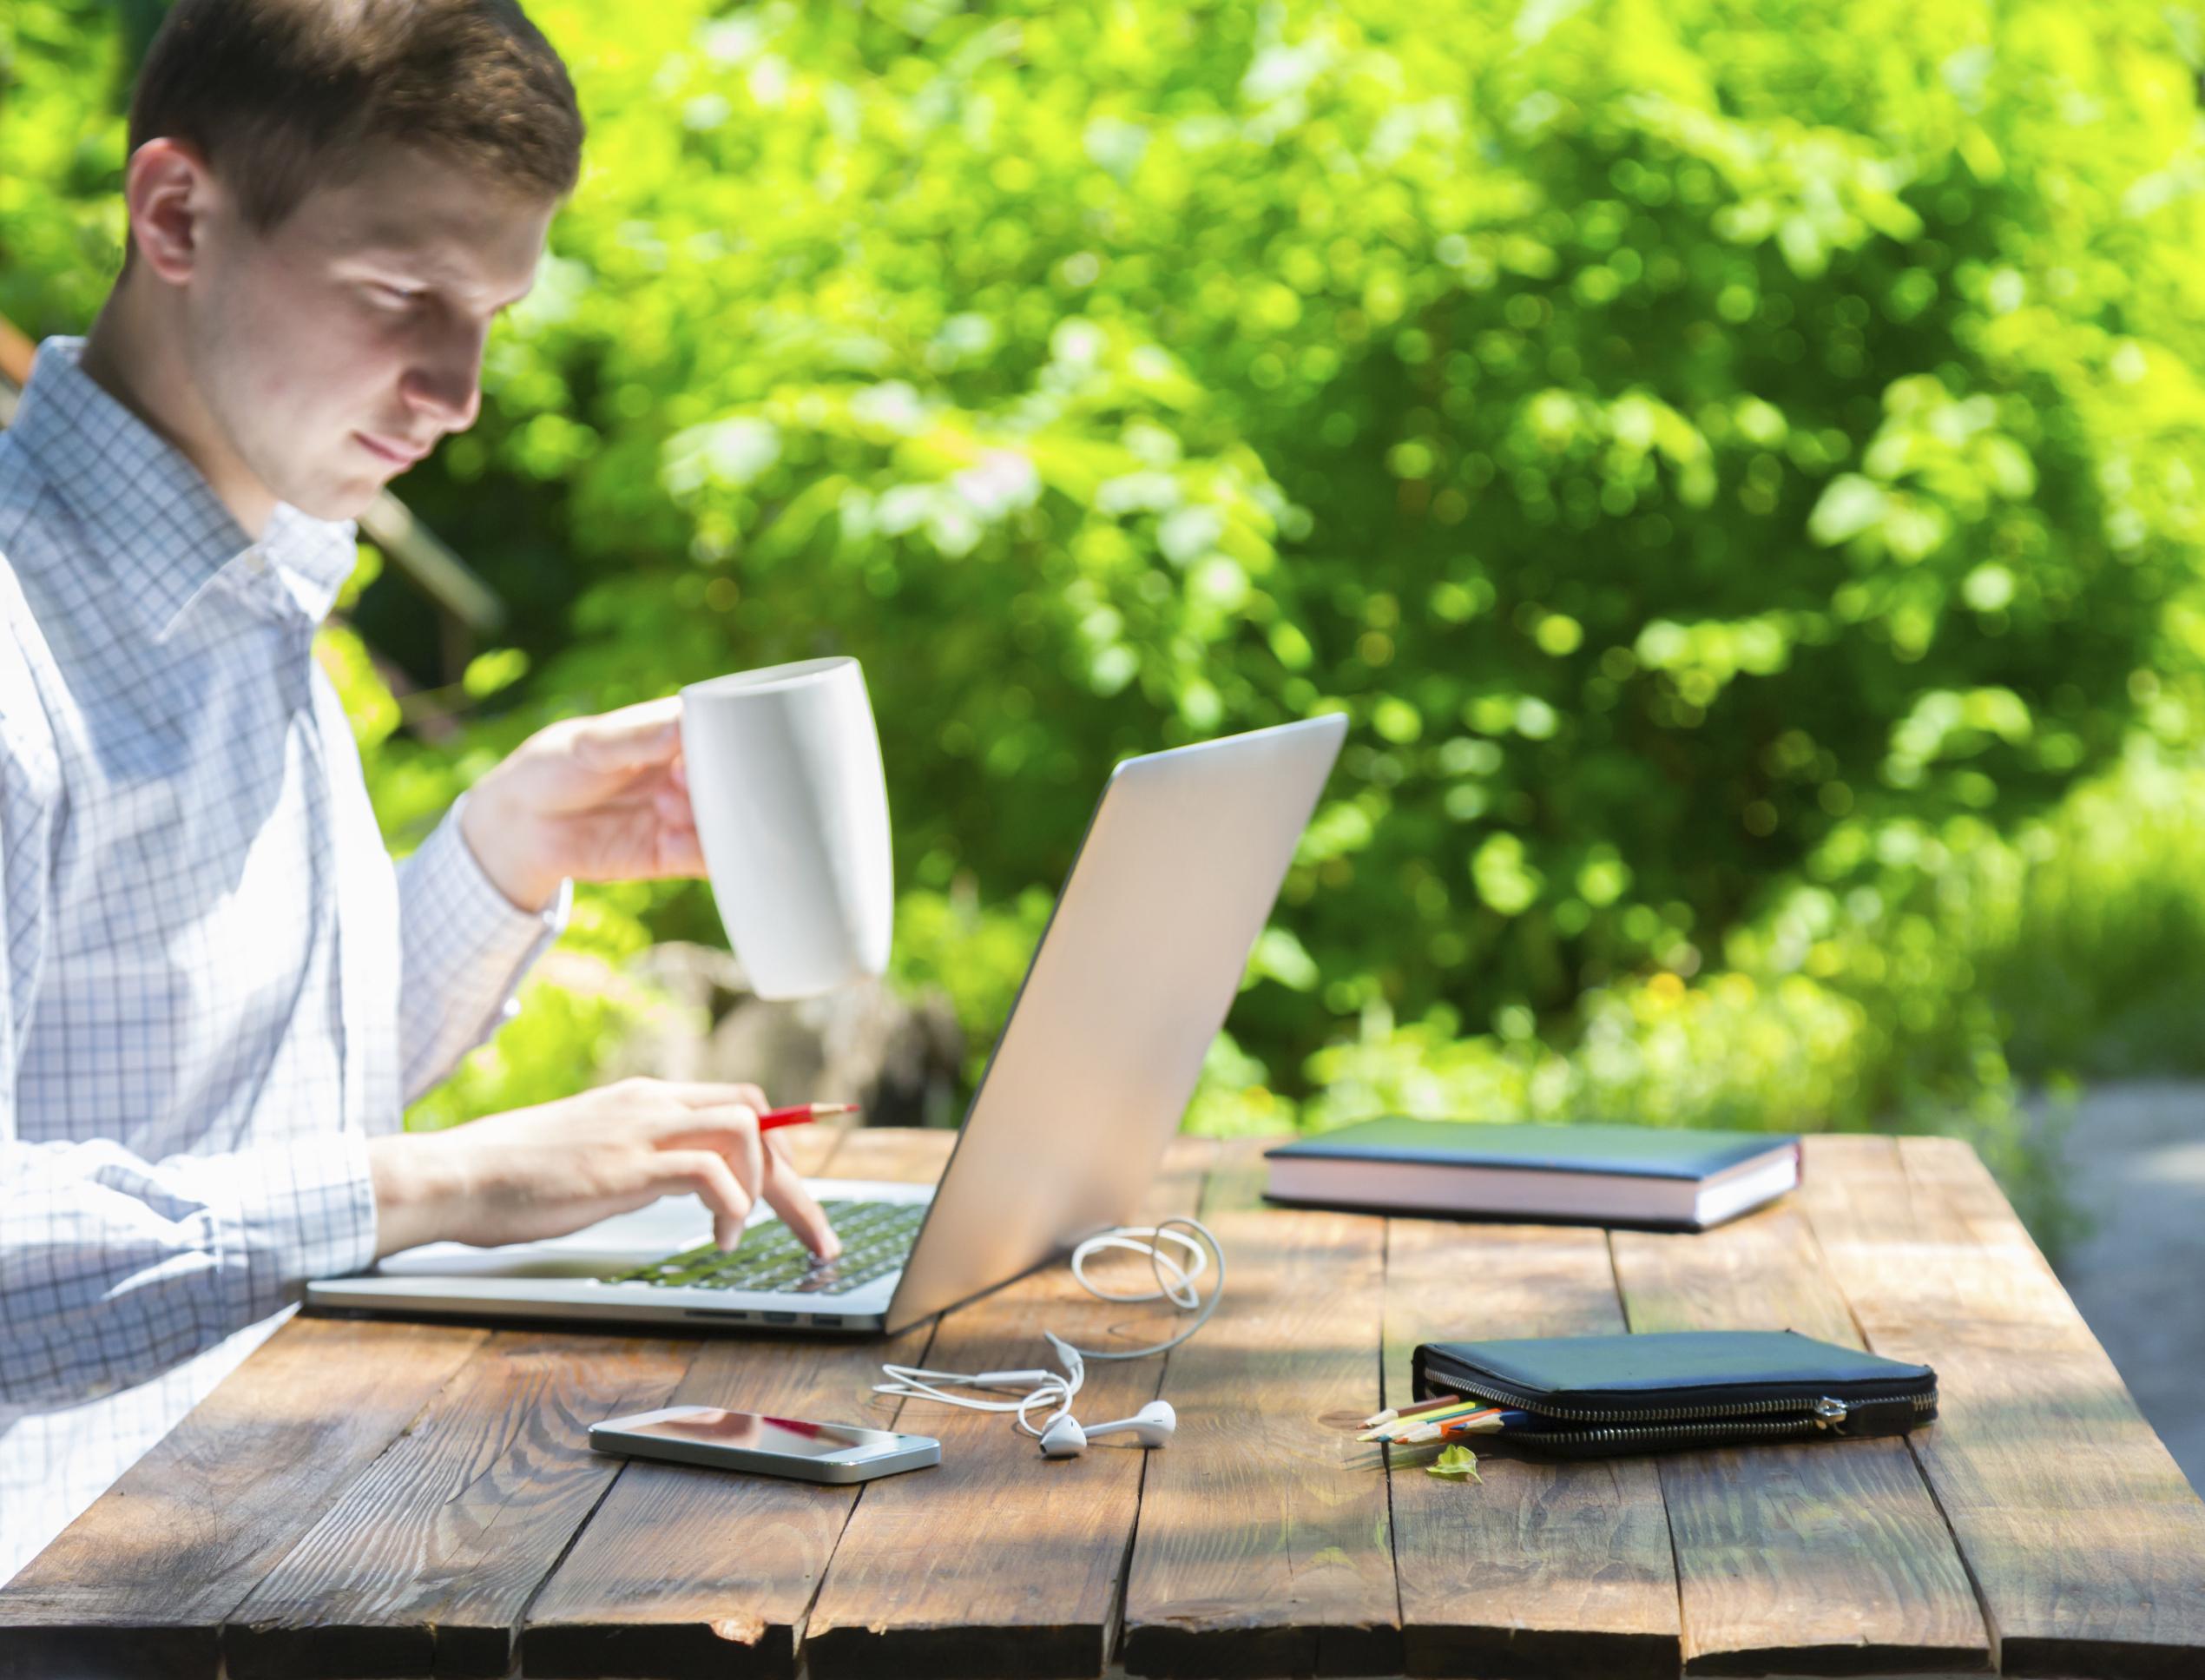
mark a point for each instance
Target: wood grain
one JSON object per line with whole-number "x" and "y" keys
{"x": 1820, "y": 1558}
{"x": 1262, "y": 1548}
{"x": 1265, "y": 1545}
{"x": 811, "y": 1147}
{"x": 1001, "y": 1561}
{"x": 1543, "y": 1567}
{"x": 424, "y": 1563}
{"x": 427, "y": 1562}
{"x": 898, "y": 1155}
{"x": 2086, "y": 1545}
{"x": 140, "y": 1583}
{"x": 684, "y": 1571}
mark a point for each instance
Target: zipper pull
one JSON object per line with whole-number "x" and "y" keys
{"x": 1829, "y": 1414}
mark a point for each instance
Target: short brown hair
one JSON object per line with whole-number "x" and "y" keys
{"x": 279, "y": 95}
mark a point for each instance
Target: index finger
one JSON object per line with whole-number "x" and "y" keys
{"x": 633, "y": 737}
{"x": 786, "y": 1195}
{"x": 709, "y": 1094}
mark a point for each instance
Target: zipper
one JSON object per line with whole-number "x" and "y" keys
{"x": 1821, "y": 1412}
{"x": 1678, "y": 1434}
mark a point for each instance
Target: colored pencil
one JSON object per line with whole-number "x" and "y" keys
{"x": 1478, "y": 1423}
{"x": 1391, "y": 1413}
{"x": 1439, "y": 1429}
{"x": 1399, "y": 1427}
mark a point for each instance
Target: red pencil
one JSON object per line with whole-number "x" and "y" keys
{"x": 801, "y": 1112}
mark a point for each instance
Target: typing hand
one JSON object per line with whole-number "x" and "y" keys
{"x": 543, "y": 1171}
{"x": 597, "y": 799}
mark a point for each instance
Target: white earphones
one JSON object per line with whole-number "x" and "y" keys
{"x": 1060, "y": 1433}
{"x": 1064, "y": 1437}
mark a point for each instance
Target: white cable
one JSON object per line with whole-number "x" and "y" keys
{"x": 1174, "y": 1282}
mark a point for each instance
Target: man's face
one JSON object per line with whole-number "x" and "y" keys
{"x": 334, "y": 350}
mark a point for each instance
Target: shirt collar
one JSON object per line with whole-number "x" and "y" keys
{"x": 164, "y": 536}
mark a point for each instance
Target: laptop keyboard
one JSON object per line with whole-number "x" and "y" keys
{"x": 876, "y": 1237}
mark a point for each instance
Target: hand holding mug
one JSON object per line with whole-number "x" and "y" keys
{"x": 770, "y": 780}
{"x": 600, "y": 799}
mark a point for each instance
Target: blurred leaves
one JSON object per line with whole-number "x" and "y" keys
{"x": 1715, "y": 453}
{"x": 1626, "y": 419}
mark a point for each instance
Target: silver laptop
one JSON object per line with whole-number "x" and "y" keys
{"x": 1140, "y": 962}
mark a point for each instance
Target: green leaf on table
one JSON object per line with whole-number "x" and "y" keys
{"x": 1455, "y": 1461}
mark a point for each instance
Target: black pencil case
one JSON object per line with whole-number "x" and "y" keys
{"x": 1591, "y": 1396}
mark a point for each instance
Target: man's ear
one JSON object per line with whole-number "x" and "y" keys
{"x": 169, "y": 192}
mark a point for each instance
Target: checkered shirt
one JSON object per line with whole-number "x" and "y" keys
{"x": 215, "y": 986}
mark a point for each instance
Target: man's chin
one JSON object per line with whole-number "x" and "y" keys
{"x": 345, "y": 498}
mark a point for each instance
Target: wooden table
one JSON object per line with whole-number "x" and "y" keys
{"x": 367, "y": 1498}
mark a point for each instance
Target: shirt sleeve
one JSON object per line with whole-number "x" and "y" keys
{"x": 464, "y": 947}
{"x": 114, "y": 1269}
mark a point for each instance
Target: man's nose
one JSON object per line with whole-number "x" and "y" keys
{"x": 446, "y": 385}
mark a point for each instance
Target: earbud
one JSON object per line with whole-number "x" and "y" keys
{"x": 1180, "y": 1251}
{"x": 1151, "y": 1426}
{"x": 1064, "y": 1437}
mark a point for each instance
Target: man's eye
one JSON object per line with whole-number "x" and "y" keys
{"x": 396, "y": 296}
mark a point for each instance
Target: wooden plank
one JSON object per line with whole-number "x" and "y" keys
{"x": 897, "y": 1155}
{"x": 140, "y": 1583}
{"x": 1265, "y": 1545}
{"x": 1822, "y": 1557}
{"x": 17, "y": 355}
{"x": 684, "y": 1571}
{"x": 2086, "y": 1546}
{"x": 1543, "y": 1567}
{"x": 1001, "y": 1563}
{"x": 426, "y": 1562}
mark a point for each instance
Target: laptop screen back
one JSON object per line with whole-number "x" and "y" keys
{"x": 1134, "y": 976}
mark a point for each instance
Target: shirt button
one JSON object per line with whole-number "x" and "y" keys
{"x": 255, "y": 561}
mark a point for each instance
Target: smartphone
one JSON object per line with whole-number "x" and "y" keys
{"x": 767, "y": 1446}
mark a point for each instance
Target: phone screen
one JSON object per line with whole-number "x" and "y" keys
{"x": 789, "y": 1437}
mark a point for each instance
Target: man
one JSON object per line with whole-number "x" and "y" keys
{"x": 216, "y": 994}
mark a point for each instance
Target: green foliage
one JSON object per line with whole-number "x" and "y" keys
{"x": 945, "y": 942}
{"x": 1734, "y": 463}
{"x": 1676, "y": 435}
{"x": 62, "y": 76}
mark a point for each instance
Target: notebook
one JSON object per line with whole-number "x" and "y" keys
{"x": 1605, "y": 1174}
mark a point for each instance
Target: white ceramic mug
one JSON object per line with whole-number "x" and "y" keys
{"x": 785, "y": 777}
